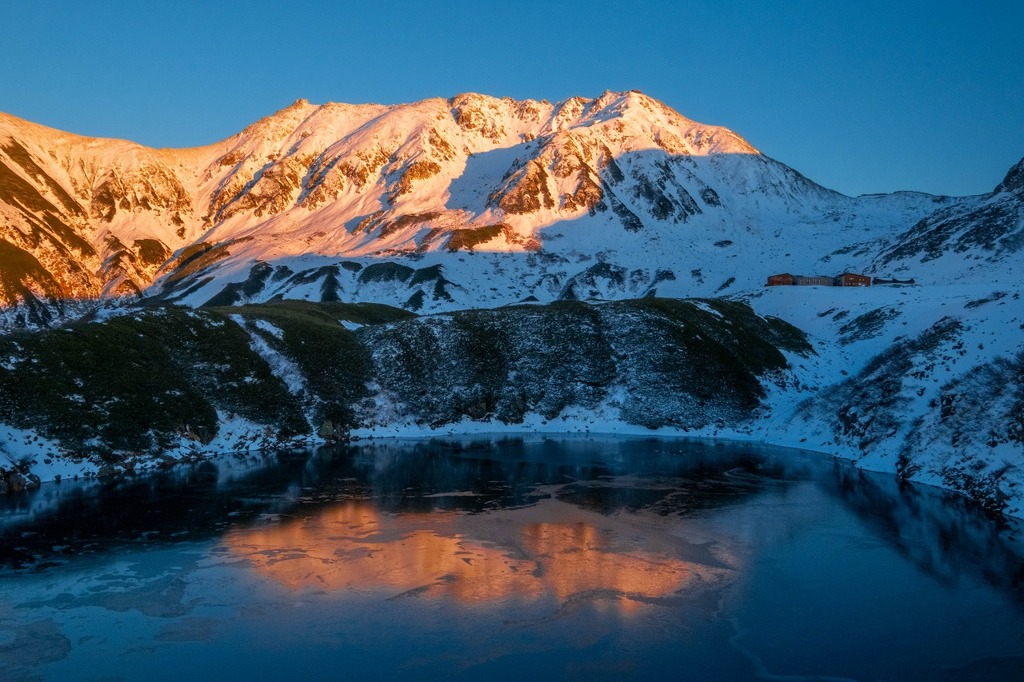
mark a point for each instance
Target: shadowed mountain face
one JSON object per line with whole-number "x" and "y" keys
{"x": 989, "y": 229}
{"x": 529, "y": 195}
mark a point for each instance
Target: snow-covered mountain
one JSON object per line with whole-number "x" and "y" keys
{"x": 470, "y": 201}
{"x": 476, "y": 202}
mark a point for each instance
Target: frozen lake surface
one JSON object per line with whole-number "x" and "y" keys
{"x": 541, "y": 558}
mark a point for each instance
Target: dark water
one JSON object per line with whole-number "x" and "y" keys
{"x": 539, "y": 559}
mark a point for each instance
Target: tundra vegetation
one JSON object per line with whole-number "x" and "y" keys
{"x": 150, "y": 379}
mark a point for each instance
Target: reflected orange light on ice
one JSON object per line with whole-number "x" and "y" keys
{"x": 354, "y": 547}
{"x": 578, "y": 558}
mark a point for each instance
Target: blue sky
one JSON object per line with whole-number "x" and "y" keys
{"x": 860, "y": 97}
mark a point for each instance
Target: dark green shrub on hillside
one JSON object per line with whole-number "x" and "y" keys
{"x": 385, "y": 272}
{"x": 669, "y": 362}
{"x": 100, "y": 388}
{"x": 215, "y": 355}
{"x": 335, "y": 365}
{"x": 252, "y": 285}
{"x": 497, "y": 364}
{"x": 135, "y": 383}
{"x": 471, "y": 237}
{"x": 689, "y": 367}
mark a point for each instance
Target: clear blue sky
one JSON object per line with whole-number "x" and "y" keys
{"x": 863, "y": 96}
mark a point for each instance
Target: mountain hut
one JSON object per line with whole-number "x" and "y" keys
{"x": 784, "y": 279}
{"x": 813, "y": 280}
{"x": 851, "y": 279}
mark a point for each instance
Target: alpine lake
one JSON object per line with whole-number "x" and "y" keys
{"x": 508, "y": 558}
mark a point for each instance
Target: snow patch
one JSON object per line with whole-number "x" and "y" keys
{"x": 282, "y": 366}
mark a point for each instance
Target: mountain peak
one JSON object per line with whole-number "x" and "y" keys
{"x": 1014, "y": 180}
{"x": 621, "y": 175}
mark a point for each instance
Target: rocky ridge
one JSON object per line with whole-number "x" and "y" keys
{"x": 537, "y": 194}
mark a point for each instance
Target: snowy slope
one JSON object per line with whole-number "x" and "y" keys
{"x": 605, "y": 197}
{"x": 924, "y": 381}
{"x": 83, "y": 217}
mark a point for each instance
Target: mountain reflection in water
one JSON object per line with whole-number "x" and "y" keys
{"x": 470, "y": 558}
{"x": 575, "y": 557}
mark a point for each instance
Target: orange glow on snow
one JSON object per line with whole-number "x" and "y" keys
{"x": 354, "y": 547}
